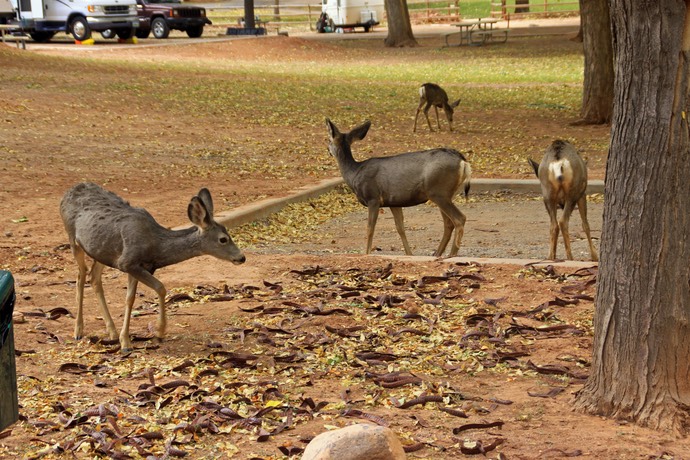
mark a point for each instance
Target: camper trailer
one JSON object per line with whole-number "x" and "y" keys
{"x": 6, "y": 11}
{"x": 340, "y": 15}
{"x": 42, "y": 19}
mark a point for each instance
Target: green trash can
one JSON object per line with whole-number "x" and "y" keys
{"x": 9, "y": 406}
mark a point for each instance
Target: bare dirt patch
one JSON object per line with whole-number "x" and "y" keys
{"x": 302, "y": 337}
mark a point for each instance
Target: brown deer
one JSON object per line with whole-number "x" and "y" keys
{"x": 103, "y": 226}
{"x": 563, "y": 177}
{"x": 433, "y": 95}
{"x": 402, "y": 180}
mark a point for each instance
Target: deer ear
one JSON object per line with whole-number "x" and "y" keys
{"x": 205, "y": 197}
{"x": 358, "y": 133}
{"x": 455, "y": 104}
{"x": 198, "y": 214}
{"x": 332, "y": 130}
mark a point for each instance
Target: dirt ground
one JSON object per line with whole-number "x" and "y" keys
{"x": 258, "y": 358}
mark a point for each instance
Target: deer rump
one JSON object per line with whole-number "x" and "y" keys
{"x": 562, "y": 174}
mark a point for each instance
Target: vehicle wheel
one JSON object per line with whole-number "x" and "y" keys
{"x": 160, "y": 28}
{"x": 80, "y": 28}
{"x": 42, "y": 37}
{"x": 108, "y": 33}
{"x": 142, "y": 33}
{"x": 125, "y": 33}
{"x": 195, "y": 31}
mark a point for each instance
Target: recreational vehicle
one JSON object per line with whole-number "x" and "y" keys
{"x": 42, "y": 19}
{"x": 340, "y": 15}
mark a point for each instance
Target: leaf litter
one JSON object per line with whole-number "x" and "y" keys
{"x": 395, "y": 342}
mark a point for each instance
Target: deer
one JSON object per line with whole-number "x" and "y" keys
{"x": 403, "y": 180}
{"x": 562, "y": 174}
{"x": 433, "y": 95}
{"x": 105, "y": 227}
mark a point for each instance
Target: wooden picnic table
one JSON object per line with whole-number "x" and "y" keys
{"x": 477, "y": 32}
{"x": 6, "y": 35}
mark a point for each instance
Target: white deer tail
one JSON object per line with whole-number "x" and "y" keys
{"x": 466, "y": 176}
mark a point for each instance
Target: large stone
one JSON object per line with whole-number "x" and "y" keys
{"x": 355, "y": 442}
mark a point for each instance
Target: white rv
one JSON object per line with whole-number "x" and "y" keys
{"x": 42, "y": 19}
{"x": 348, "y": 14}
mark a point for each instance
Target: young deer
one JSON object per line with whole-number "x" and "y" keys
{"x": 433, "y": 95}
{"x": 407, "y": 179}
{"x": 563, "y": 177}
{"x": 103, "y": 226}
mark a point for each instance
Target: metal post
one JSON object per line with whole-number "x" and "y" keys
{"x": 249, "y": 14}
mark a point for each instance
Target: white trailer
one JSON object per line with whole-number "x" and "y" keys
{"x": 348, "y": 14}
{"x": 42, "y": 19}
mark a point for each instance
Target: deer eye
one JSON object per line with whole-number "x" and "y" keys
{"x": 224, "y": 240}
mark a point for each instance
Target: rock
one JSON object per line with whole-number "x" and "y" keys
{"x": 355, "y": 442}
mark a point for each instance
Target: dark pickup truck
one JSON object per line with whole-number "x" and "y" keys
{"x": 162, "y": 16}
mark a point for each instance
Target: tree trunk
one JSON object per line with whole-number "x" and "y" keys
{"x": 640, "y": 363}
{"x": 276, "y": 11}
{"x": 522, "y": 9}
{"x": 399, "y": 26}
{"x": 597, "y": 92}
{"x": 249, "y": 22}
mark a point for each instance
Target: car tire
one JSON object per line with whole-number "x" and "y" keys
{"x": 160, "y": 28}
{"x": 108, "y": 33}
{"x": 79, "y": 28}
{"x": 195, "y": 31}
{"x": 125, "y": 34}
{"x": 42, "y": 37}
{"x": 142, "y": 33}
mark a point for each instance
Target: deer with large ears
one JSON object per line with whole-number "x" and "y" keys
{"x": 434, "y": 96}
{"x": 563, "y": 177}
{"x": 402, "y": 180}
{"x": 103, "y": 226}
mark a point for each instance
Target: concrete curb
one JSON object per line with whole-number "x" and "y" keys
{"x": 264, "y": 208}
{"x": 524, "y": 185}
{"x": 570, "y": 264}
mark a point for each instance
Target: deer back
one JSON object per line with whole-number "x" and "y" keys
{"x": 116, "y": 234}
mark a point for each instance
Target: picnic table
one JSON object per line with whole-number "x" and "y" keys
{"x": 477, "y": 32}
{"x": 8, "y": 33}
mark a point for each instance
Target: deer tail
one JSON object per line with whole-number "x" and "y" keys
{"x": 466, "y": 176}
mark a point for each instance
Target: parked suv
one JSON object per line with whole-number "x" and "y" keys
{"x": 161, "y": 16}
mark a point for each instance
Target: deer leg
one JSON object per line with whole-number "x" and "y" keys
{"x": 81, "y": 281}
{"x": 421, "y": 103}
{"x": 400, "y": 227}
{"x": 125, "y": 341}
{"x": 563, "y": 224}
{"x": 371, "y": 224}
{"x": 426, "y": 114}
{"x": 149, "y": 280}
{"x": 551, "y": 209}
{"x": 438, "y": 123}
{"x": 97, "y": 284}
{"x": 582, "y": 207}
{"x": 452, "y": 215}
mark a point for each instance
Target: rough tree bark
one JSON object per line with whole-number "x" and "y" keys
{"x": 641, "y": 366}
{"x": 399, "y": 26}
{"x": 597, "y": 92}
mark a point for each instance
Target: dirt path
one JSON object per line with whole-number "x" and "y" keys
{"x": 499, "y": 225}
